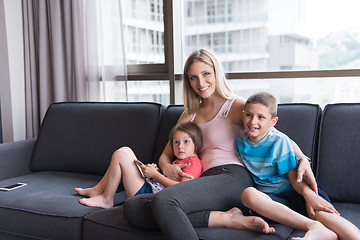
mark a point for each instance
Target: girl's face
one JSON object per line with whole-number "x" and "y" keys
{"x": 202, "y": 79}
{"x": 183, "y": 145}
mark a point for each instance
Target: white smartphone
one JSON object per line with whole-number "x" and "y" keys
{"x": 139, "y": 162}
{"x": 12, "y": 187}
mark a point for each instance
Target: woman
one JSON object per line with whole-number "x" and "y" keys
{"x": 208, "y": 102}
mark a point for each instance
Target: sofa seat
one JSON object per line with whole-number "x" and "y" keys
{"x": 50, "y": 203}
{"x": 111, "y": 223}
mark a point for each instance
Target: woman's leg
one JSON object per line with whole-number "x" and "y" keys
{"x": 220, "y": 190}
{"x": 137, "y": 211}
{"x": 122, "y": 167}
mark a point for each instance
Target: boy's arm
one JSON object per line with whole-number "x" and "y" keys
{"x": 304, "y": 168}
{"x": 313, "y": 201}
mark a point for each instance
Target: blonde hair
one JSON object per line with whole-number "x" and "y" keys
{"x": 191, "y": 99}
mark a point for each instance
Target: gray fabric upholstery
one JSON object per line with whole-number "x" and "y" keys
{"x": 169, "y": 120}
{"x": 339, "y": 152}
{"x": 15, "y": 158}
{"x": 48, "y": 202}
{"x": 292, "y": 117}
{"x": 110, "y": 224}
{"x": 81, "y": 137}
{"x": 301, "y": 123}
{"x": 75, "y": 146}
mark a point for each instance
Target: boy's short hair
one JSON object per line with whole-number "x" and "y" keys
{"x": 265, "y": 99}
{"x": 192, "y": 130}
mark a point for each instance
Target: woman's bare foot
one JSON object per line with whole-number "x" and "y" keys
{"x": 317, "y": 231}
{"x": 89, "y": 192}
{"x": 234, "y": 218}
{"x": 97, "y": 201}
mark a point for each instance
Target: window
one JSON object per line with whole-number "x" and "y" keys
{"x": 287, "y": 45}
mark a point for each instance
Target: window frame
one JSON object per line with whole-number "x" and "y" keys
{"x": 172, "y": 46}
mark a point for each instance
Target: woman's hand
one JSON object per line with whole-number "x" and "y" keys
{"x": 174, "y": 172}
{"x": 305, "y": 172}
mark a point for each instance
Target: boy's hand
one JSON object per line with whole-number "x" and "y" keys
{"x": 316, "y": 203}
{"x": 305, "y": 172}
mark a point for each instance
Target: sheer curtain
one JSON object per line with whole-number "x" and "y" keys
{"x": 72, "y": 47}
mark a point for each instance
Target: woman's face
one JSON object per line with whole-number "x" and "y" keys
{"x": 202, "y": 79}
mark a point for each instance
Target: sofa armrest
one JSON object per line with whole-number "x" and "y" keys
{"x": 15, "y": 158}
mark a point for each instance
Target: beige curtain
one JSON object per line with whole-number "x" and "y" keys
{"x": 64, "y": 57}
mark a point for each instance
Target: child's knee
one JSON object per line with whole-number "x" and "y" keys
{"x": 248, "y": 195}
{"x": 123, "y": 153}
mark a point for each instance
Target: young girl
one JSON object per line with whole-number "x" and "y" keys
{"x": 186, "y": 142}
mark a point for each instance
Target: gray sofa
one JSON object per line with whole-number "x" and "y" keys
{"x": 74, "y": 148}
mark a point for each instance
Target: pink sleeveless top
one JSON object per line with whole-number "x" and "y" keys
{"x": 219, "y": 139}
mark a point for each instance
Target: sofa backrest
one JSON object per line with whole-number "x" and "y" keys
{"x": 339, "y": 152}
{"x": 169, "y": 120}
{"x": 300, "y": 121}
{"x": 81, "y": 137}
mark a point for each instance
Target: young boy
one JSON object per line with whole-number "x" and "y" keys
{"x": 186, "y": 141}
{"x": 268, "y": 155}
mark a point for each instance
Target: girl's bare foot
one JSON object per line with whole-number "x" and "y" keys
{"x": 234, "y": 218}
{"x": 89, "y": 192}
{"x": 97, "y": 201}
{"x": 317, "y": 231}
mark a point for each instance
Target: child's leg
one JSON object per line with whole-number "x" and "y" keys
{"x": 265, "y": 206}
{"x": 122, "y": 166}
{"x": 342, "y": 227}
{"x": 96, "y": 190}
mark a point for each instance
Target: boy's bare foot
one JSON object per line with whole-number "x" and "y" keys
{"x": 317, "y": 231}
{"x": 89, "y": 192}
{"x": 237, "y": 220}
{"x": 97, "y": 201}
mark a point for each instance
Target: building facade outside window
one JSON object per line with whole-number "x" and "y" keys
{"x": 253, "y": 36}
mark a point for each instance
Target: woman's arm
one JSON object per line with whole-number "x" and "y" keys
{"x": 151, "y": 171}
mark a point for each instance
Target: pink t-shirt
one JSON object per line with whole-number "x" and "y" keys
{"x": 219, "y": 139}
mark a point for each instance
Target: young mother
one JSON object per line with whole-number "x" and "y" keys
{"x": 210, "y": 103}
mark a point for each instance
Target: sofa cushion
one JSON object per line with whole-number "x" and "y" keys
{"x": 47, "y": 207}
{"x": 111, "y": 224}
{"x": 169, "y": 120}
{"x": 81, "y": 137}
{"x": 339, "y": 151}
{"x": 300, "y": 121}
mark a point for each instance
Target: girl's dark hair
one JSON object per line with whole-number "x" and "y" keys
{"x": 194, "y": 132}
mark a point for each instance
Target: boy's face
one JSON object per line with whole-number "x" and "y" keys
{"x": 257, "y": 121}
{"x": 183, "y": 145}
